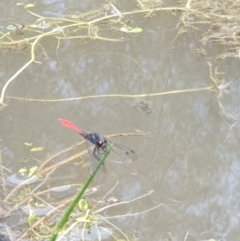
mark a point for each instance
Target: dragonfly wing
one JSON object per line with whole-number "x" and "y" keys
{"x": 120, "y": 154}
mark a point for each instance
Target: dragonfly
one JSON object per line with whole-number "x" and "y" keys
{"x": 101, "y": 144}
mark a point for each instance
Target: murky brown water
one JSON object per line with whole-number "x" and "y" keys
{"x": 188, "y": 155}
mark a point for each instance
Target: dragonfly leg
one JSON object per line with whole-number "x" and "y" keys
{"x": 95, "y": 153}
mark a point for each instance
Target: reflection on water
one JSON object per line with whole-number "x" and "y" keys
{"x": 188, "y": 158}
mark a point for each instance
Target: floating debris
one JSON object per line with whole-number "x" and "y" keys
{"x": 17, "y": 179}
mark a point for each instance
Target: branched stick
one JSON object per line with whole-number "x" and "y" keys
{"x": 132, "y": 214}
{"x": 25, "y": 66}
{"x": 123, "y": 202}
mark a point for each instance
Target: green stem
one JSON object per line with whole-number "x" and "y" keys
{"x": 70, "y": 208}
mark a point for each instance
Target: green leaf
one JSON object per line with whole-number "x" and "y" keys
{"x": 38, "y": 205}
{"x": 23, "y": 170}
{"x": 30, "y": 5}
{"x": 19, "y": 4}
{"x": 136, "y": 30}
{"x": 83, "y": 205}
{"x": 31, "y": 218}
{"x": 36, "y": 149}
{"x": 11, "y": 27}
{"x": 128, "y": 29}
{"x": 28, "y": 144}
{"x": 32, "y": 170}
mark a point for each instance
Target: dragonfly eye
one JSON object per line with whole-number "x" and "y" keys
{"x": 102, "y": 143}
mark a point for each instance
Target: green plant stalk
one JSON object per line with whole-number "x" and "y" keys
{"x": 70, "y": 208}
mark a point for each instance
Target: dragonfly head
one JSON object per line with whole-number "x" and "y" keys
{"x": 102, "y": 143}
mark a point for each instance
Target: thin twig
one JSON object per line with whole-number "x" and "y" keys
{"x": 123, "y": 202}
{"x": 25, "y": 66}
{"x": 43, "y": 182}
{"x": 110, "y": 191}
{"x": 134, "y": 214}
{"x": 186, "y": 236}
{"x": 118, "y": 95}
